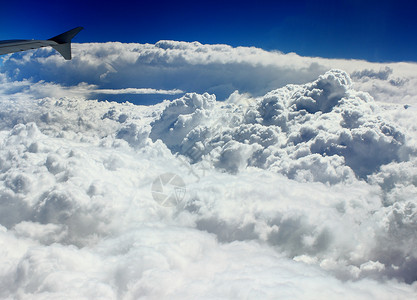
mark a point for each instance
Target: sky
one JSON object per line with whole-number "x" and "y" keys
{"x": 378, "y": 31}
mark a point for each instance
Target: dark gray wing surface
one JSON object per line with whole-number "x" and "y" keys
{"x": 61, "y": 43}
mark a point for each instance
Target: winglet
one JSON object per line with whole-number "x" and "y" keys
{"x": 66, "y": 37}
{"x": 63, "y": 41}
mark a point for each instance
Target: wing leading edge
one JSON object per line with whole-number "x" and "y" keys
{"x": 61, "y": 43}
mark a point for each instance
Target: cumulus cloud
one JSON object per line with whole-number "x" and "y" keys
{"x": 304, "y": 131}
{"x": 307, "y": 191}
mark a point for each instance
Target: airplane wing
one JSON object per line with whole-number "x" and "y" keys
{"x": 61, "y": 43}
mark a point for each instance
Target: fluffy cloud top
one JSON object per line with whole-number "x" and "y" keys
{"x": 307, "y": 132}
{"x": 306, "y": 192}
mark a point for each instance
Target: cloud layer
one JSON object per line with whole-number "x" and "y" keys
{"x": 194, "y": 67}
{"x": 307, "y": 191}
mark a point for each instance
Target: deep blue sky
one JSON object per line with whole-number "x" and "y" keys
{"x": 372, "y": 30}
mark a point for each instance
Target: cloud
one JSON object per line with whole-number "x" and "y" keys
{"x": 43, "y": 89}
{"x": 381, "y": 74}
{"x": 306, "y": 191}
{"x": 136, "y": 91}
{"x": 194, "y": 67}
{"x": 301, "y": 131}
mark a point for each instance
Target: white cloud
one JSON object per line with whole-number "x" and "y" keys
{"x": 43, "y": 89}
{"x": 193, "y": 67}
{"x": 320, "y": 131}
{"x": 307, "y": 192}
{"x": 136, "y": 91}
